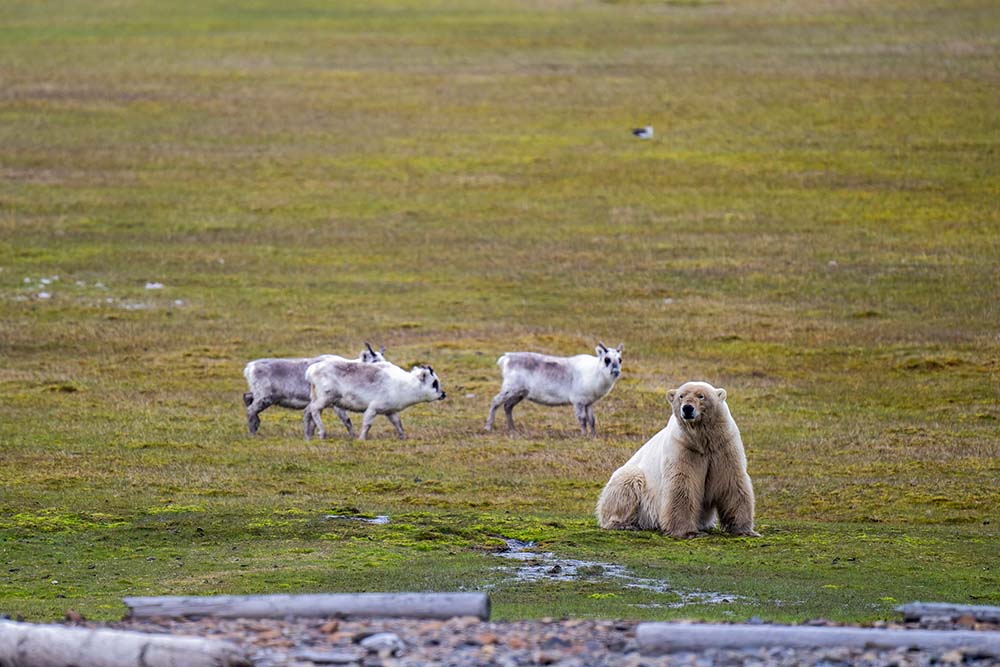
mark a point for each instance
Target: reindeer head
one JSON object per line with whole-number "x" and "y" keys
{"x": 611, "y": 360}
{"x": 370, "y": 356}
{"x": 429, "y": 383}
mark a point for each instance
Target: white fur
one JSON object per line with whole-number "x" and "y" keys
{"x": 687, "y": 475}
{"x": 283, "y": 382}
{"x": 579, "y": 381}
{"x": 374, "y": 389}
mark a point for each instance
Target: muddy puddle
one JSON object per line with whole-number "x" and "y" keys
{"x": 531, "y": 566}
{"x": 379, "y": 520}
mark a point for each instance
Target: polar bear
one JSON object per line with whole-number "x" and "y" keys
{"x": 684, "y": 475}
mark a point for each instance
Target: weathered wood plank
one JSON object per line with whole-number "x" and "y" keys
{"x": 659, "y": 638}
{"x": 398, "y": 605}
{"x": 914, "y": 611}
{"x": 29, "y": 645}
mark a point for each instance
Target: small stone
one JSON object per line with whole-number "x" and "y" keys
{"x": 73, "y": 616}
{"x": 952, "y": 657}
{"x": 328, "y": 657}
{"x": 383, "y": 642}
{"x": 967, "y": 621}
{"x": 330, "y": 627}
{"x": 545, "y": 657}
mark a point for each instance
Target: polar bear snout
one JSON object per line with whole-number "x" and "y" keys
{"x": 689, "y": 412}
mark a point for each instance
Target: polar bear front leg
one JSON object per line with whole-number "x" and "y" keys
{"x": 683, "y": 496}
{"x": 736, "y": 506}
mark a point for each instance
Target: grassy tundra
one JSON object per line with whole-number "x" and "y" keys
{"x": 814, "y": 227}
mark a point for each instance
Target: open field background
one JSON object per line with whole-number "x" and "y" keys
{"x": 815, "y": 227}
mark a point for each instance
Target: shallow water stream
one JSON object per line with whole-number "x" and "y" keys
{"x": 534, "y": 566}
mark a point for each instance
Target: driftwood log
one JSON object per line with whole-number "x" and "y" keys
{"x": 28, "y": 645}
{"x": 660, "y": 638}
{"x": 393, "y": 605}
{"x": 914, "y": 611}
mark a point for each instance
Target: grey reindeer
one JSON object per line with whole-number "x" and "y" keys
{"x": 374, "y": 389}
{"x": 579, "y": 381}
{"x": 283, "y": 382}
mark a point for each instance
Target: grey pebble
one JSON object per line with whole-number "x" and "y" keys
{"x": 328, "y": 657}
{"x": 383, "y": 642}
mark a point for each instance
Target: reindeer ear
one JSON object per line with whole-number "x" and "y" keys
{"x": 721, "y": 393}
{"x": 600, "y": 349}
{"x": 381, "y": 349}
{"x": 671, "y": 395}
{"x": 369, "y": 346}
{"x": 621, "y": 346}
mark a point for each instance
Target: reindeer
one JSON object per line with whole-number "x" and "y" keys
{"x": 374, "y": 389}
{"x": 283, "y": 382}
{"x": 579, "y": 381}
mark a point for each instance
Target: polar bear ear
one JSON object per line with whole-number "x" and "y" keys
{"x": 721, "y": 393}
{"x": 671, "y": 395}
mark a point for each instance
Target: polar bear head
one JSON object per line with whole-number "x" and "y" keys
{"x": 695, "y": 402}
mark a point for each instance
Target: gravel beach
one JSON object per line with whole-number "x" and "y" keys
{"x": 471, "y": 642}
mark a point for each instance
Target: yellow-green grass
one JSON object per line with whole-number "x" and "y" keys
{"x": 815, "y": 227}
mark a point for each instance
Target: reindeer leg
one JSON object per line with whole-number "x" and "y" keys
{"x": 254, "y": 408}
{"x": 366, "y": 422}
{"x": 581, "y": 416}
{"x": 508, "y": 408}
{"x": 397, "y": 422}
{"x": 345, "y": 418}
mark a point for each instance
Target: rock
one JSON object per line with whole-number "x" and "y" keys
{"x": 955, "y": 657}
{"x": 486, "y": 638}
{"x": 554, "y": 643}
{"x": 383, "y": 643}
{"x": 545, "y": 657}
{"x": 967, "y": 621}
{"x": 328, "y": 657}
